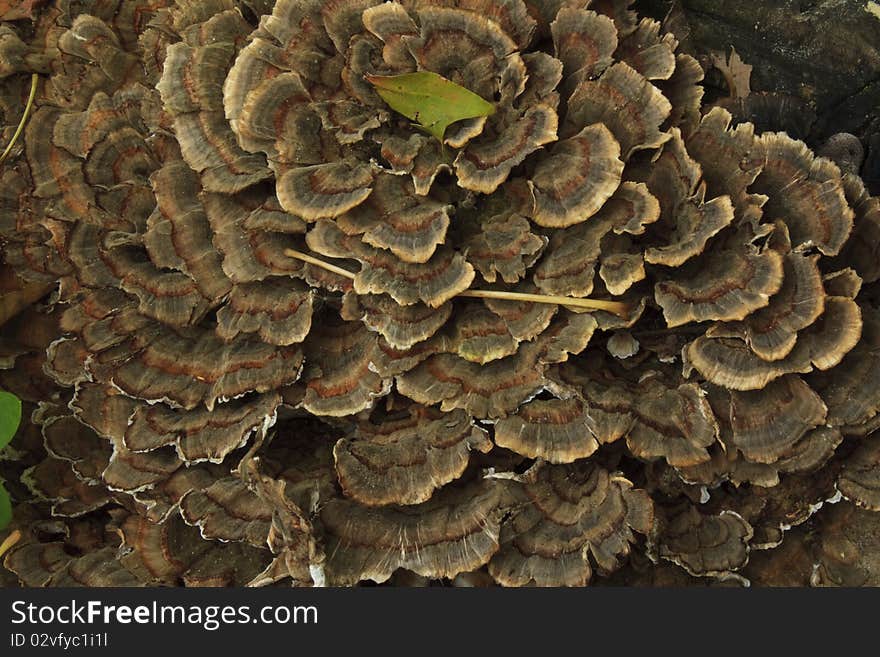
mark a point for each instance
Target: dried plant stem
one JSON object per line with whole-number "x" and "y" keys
{"x": 10, "y": 541}
{"x": 616, "y": 307}
{"x": 24, "y": 117}
{"x": 312, "y": 260}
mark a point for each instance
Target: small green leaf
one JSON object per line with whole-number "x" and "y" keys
{"x": 430, "y": 100}
{"x": 10, "y": 417}
{"x": 5, "y": 508}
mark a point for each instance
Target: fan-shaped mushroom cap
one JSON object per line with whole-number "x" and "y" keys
{"x": 804, "y": 456}
{"x": 486, "y": 391}
{"x": 731, "y": 158}
{"x": 607, "y": 402}
{"x": 93, "y": 60}
{"x": 649, "y": 53}
{"x": 555, "y": 430}
{"x": 196, "y": 369}
{"x": 192, "y": 91}
{"x": 278, "y": 118}
{"x": 568, "y": 513}
{"x": 658, "y": 420}
{"x": 455, "y": 531}
{"x": 511, "y": 15}
{"x": 675, "y": 424}
{"x": 201, "y": 435}
{"x": 695, "y": 223}
{"x": 635, "y": 122}
{"x": 505, "y": 247}
{"x": 575, "y": 180}
{"x": 56, "y": 173}
{"x": 434, "y": 282}
{"x": 389, "y": 21}
{"x": 404, "y": 460}
{"x": 133, "y": 472}
{"x": 35, "y": 563}
{"x": 251, "y": 253}
{"x": 485, "y": 164}
{"x": 620, "y": 271}
{"x": 340, "y": 376}
{"x": 419, "y": 156}
{"x": 54, "y": 480}
{"x": 859, "y": 480}
{"x": 622, "y": 345}
{"x": 568, "y": 333}
{"x": 862, "y": 249}
{"x": 671, "y": 175}
{"x": 631, "y": 209}
{"x": 394, "y": 362}
{"x": 163, "y": 553}
{"x": 394, "y": 218}
{"x": 852, "y": 392}
{"x": 766, "y": 423}
{"x": 281, "y": 314}
{"x": 94, "y": 570}
{"x": 17, "y": 57}
{"x": 159, "y": 553}
{"x": 524, "y": 320}
{"x": 584, "y": 42}
{"x": 228, "y": 510}
{"x": 805, "y": 192}
{"x": 685, "y": 93}
{"x": 702, "y": 544}
{"x": 325, "y": 190}
{"x": 720, "y": 286}
{"x": 69, "y": 440}
{"x": 402, "y": 327}
{"x": 480, "y": 336}
{"x": 728, "y": 362}
{"x": 179, "y": 236}
{"x": 771, "y": 332}
{"x": 811, "y": 452}
{"x": 568, "y": 265}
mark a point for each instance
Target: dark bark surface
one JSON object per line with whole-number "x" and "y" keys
{"x": 825, "y": 53}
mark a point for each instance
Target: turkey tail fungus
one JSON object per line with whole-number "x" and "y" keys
{"x": 274, "y": 321}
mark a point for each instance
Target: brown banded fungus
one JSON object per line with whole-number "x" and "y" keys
{"x": 297, "y": 336}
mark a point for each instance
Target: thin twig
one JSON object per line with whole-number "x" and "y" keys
{"x": 10, "y": 542}
{"x": 27, "y": 110}
{"x": 312, "y": 260}
{"x": 616, "y": 307}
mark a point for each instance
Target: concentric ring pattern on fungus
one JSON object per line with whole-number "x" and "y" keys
{"x": 208, "y": 410}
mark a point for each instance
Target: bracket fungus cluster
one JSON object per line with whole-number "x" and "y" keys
{"x": 294, "y": 336}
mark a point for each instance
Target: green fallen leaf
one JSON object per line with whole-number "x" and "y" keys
{"x": 10, "y": 417}
{"x": 5, "y": 508}
{"x": 430, "y": 100}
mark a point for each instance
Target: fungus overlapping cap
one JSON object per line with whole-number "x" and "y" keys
{"x": 237, "y": 406}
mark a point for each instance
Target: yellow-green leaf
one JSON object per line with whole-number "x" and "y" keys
{"x": 430, "y": 100}
{"x": 5, "y": 508}
{"x": 10, "y": 417}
